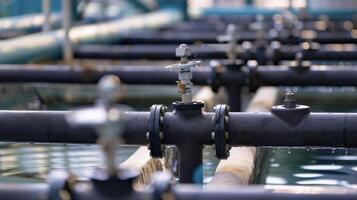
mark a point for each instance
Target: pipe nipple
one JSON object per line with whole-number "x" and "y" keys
{"x": 290, "y": 100}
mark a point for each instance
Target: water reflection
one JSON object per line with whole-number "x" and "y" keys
{"x": 313, "y": 167}
{"x": 35, "y": 161}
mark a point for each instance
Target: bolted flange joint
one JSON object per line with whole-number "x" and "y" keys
{"x": 220, "y": 134}
{"x": 154, "y": 132}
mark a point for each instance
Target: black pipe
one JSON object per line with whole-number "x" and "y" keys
{"x": 317, "y": 129}
{"x": 263, "y": 75}
{"x": 127, "y": 74}
{"x": 253, "y": 18}
{"x": 86, "y": 190}
{"x": 233, "y": 85}
{"x": 189, "y": 129}
{"x": 220, "y": 27}
{"x": 167, "y": 52}
{"x": 253, "y": 129}
{"x": 51, "y": 127}
{"x": 209, "y": 37}
{"x": 13, "y": 191}
{"x": 315, "y": 76}
{"x": 255, "y": 193}
{"x": 154, "y": 52}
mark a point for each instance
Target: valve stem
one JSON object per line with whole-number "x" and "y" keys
{"x": 231, "y": 39}
{"x": 183, "y": 68}
{"x": 105, "y": 117}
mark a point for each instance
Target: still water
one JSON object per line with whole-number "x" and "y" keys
{"x": 313, "y": 166}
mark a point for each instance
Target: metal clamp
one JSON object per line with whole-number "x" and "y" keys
{"x": 154, "y": 133}
{"x": 220, "y": 134}
{"x": 60, "y": 183}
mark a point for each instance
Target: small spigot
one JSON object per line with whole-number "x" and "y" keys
{"x": 231, "y": 39}
{"x": 105, "y": 117}
{"x": 290, "y": 101}
{"x": 299, "y": 58}
{"x": 183, "y": 68}
{"x": 291, "y": 112}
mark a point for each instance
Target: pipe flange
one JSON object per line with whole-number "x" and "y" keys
{"x": 154, "y": 132}
{"x": 220, "y": 134}
{"x": 215, "y": 81}
{"x": 60, "y": 185}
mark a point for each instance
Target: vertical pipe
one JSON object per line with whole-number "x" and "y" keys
{"x": 190, "y": 163}
{"x": 234, "y": 89}
{"x": 67, "y": 50}
{"x": 46, "y": 9}
{"x": 234, "y": 98}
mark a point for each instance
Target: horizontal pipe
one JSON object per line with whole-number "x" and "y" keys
{"x": 65, "y": 74}
{"x": 167, "y": 52}
{"x": 335, "y": 14}
{"x": 262, "y": 75}
{"x": 41, "y": 127}
{"x": 51, "y": 127}
{"x": 48, "y": 45}
{"x": 211, "y": 37}
{"x": 86, "y": 190}
{"x": 317, "y": 129}
{"x": 258, "y": 192}
{"x": 27, "y": 23}
{"x": 221, "y": 25}
{"x": 315, "y": 76}
{"x": 12, "y": 191}
{"x": 152, "y": 52}
{"x": 245, "y": 129}
{"x": 250, "y": 19}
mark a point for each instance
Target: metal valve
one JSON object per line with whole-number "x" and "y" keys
{"x": 105, "y": 117}
{"x": 299, "y": 64}
{"x": 231, "y": 38}
{"x": 184, "y": 72}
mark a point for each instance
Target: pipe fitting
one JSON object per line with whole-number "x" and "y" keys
{"x": 183, "y": 68}
{"x": 290, "y": 112}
